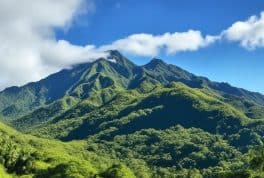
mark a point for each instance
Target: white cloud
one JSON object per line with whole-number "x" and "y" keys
{"x": 28, "y": 49}
{"x": 150, "y": 45}
{"x": 249, "y": 33}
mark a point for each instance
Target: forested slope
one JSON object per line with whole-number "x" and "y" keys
{"x": 117, "y": 119}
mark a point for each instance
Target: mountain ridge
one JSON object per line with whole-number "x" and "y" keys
{"x": 81, "y": 79}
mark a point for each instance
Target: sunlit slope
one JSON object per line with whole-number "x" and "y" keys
{"x": 27, "y": 155}
{"x": 131, "y": 111}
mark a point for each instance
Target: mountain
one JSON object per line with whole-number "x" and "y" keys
{"x": 65, "y": 89}
{"x": 81, "y": 80}
{"x": 158, "y": 120}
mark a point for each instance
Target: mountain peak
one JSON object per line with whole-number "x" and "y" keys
{"x": 115, "y": 55}
{"x": 157, "y": 61}
{"x": 154, "y": 63}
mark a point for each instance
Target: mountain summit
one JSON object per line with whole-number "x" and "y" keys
{"x": 154, "y": 63}
{"x": 82, "y": 80}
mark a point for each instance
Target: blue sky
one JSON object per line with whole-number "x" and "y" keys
{"x": 222, "y": 40}
{"x": 222, "y": 61}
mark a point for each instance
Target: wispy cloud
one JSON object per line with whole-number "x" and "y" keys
{"x": 150, "y": 45}
{"x": 249, "y": 33}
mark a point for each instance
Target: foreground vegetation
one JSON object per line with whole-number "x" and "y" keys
{"x": 28, "y": 156}
{"x": 175, "y": 152}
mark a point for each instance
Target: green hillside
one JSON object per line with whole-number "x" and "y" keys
{"x": 117, "y": 119}
{"x": 22, "y": 155}
{"x": 131, "y": 110}
{"x": 173, "y": 152}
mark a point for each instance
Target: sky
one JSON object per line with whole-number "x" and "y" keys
{"x": 222, "y": 40}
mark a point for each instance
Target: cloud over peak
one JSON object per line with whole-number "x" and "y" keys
{"x": 150, "y": 45}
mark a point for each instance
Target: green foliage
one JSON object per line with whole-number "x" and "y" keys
{"x": 118, "y": 171}
{"x": 129, "y": 111}
{"x": 24, "y": 155}
{"x": 156, "y": 120}
{"x": 172, "y": 149}
{"x": 44, "y": 114}
{"x": 72, "y": 169}
{"x": 3, "y": 173}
